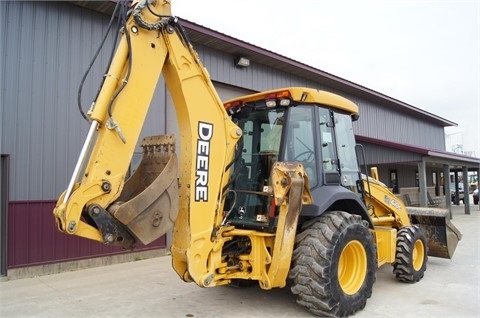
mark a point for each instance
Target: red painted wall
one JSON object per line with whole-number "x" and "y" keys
{"x": 33, "y": 239}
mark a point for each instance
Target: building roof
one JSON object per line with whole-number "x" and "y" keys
{"x": 227, "y": 44}
{"x": 236, "y": 47}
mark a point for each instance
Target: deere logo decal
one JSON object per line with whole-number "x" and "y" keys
{"x": 205, "y": 132}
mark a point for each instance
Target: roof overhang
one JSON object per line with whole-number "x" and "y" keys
{"x": 455, "y": 160}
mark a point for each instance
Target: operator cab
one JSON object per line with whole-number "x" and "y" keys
{"x": 295, "y": 124}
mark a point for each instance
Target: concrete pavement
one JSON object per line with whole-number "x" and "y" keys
{"x": 150, "y": 288}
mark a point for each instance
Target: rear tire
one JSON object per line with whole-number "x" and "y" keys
{"x": 334, "y": 265}
{"x": 411, "y": 254}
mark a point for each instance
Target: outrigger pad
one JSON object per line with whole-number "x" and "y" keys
{"x": 441, "y": 234}
{"x": 148, "y": 205}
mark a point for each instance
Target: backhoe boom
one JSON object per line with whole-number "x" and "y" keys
{"x": 147, "y": 51}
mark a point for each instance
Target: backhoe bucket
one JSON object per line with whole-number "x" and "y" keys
{"x": 148, "y": 204}
{"x": 442, "y": 235}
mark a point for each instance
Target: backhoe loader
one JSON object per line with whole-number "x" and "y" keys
{"x": 267, "y": 187}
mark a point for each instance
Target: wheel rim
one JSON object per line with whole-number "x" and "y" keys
{"x": 352, "y": 267}
{"x": 418, "y": 255}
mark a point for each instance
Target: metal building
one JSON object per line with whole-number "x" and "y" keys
{"x": 46, "y": 49}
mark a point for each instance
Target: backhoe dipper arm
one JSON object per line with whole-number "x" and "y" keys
{"x": 152, "y": 44}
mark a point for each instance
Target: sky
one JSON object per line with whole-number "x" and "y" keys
{"x": 423, "y": 53}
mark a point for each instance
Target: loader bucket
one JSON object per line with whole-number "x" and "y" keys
{"x": 148, "y": 204}
{"x": 441, "y": 234}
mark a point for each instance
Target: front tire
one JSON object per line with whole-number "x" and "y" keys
{"x": 411, "y": 254}
{"x": 334, "y": 265}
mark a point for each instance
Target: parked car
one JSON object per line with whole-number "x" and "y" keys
{"x": 475, "y": 196}
{"x": 460, "y": 192}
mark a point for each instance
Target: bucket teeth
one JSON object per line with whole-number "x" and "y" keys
{"x": 162, "y": 143}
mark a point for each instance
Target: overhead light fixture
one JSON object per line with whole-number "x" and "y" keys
{"x": 242, "y": 62}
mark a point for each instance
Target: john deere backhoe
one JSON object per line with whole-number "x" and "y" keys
{"x": 267, "y": 187}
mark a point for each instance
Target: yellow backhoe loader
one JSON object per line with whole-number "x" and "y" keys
{"x": 266, "y": 187}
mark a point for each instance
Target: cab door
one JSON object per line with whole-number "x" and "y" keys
{"x": 345, "y": 147}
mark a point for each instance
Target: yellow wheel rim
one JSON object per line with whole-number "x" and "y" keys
{"x": 418, "y": 255}
{"x": 352, "y": 267}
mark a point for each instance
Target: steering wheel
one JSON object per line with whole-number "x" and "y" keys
{"x": 308, "y": 154}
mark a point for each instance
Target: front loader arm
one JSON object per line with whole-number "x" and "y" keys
{"x": 386, "y": 210}
{"x": 150, "y": 46}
